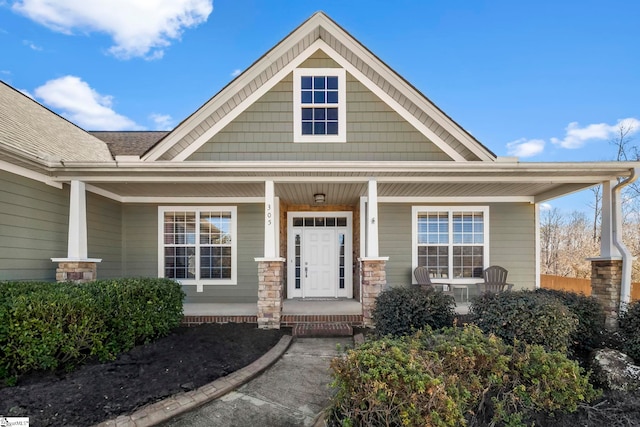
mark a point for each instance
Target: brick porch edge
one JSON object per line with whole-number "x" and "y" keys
{"x": 180, "y": 403}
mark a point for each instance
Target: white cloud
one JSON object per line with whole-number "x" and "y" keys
{"x": 577, "y": 137}
{"x": 236, "y": 72}
{"x": 525, "y": 147}
{"x": 31, "y": 45}
{"x": 27, "y": 93}
{"x": 139, "y": 28}
{"x": 545, "y": 207}
{"x": 162, "y": 121}
{"x": 81, "y": 104}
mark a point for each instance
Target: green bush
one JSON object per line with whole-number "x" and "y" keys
{"x": 452, "y": 377}
{"x": 629, "y": 322}
{"x": 402, "y": 310}
{"x": 534, "y": 318}
{"x": 391, "y": 382}
{"x": 48, "y": 326}
{"x": 590, "y": 314}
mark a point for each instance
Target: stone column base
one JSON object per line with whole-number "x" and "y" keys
{"x": 270, "y": 292}
{"x": 606, "y": 285}
{"x": 374, "y": 279}
{"x": 79, "y": 272}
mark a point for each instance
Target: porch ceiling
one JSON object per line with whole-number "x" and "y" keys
{"x": 338, "y": 193}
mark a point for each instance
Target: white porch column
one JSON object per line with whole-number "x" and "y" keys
{"x": 372, "y": 220}
{"x": 77, "y": 244}
{"x": 270, "y": 221}
{"x": 77, "y": 266}
{"x": 608, "y": 248}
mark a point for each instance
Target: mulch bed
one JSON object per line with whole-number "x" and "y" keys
{"x": 186, "y": 359}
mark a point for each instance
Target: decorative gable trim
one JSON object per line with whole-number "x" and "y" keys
{"x": 288, "y": 55}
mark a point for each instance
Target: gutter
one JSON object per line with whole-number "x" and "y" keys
{"x": 627, "y": 257}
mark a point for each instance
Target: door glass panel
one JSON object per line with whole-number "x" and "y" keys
{"x": 341, "y": 255}
{"x": 298, "y": 260}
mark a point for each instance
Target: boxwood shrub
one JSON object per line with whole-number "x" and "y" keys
{"x": 535, "y": 318}
{"x": 48, "y": 326}
{"x": 629, "y": 323}
{"x": 404, "y": 309}
{"x": 590, "y": 314}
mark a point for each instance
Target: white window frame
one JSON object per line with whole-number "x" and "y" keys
{"x": 341, "y": 105}
{"x": 416, "y": 210}
{"x": 234, "y": 244}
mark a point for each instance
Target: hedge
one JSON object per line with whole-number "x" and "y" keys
{"x": 49, "y": 326}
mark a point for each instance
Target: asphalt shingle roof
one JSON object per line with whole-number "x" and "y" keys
{"x": 129, "y": 143}
{"x": 29, "y": 127}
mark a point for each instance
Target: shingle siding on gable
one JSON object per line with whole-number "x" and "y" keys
{"x": 397, "y": 95}
{"x": 265, "y": 131}
{"x": 316, "y": 60}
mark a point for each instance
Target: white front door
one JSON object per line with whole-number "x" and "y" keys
{"x": 320, "y": 262}
{"x": 319, "y": 255}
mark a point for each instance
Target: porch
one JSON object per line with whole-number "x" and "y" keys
{"x": 294, "y": 311}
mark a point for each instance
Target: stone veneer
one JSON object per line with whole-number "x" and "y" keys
{"x": 79, "y": 272}
{"x": 374, "y": 279}
{"x": 270, "y": 293}
{"x": 606, "y": 284}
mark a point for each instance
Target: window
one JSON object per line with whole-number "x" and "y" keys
{"x": 198, "y": 244}
{"x": 453, "y": 243}
{"x": 319, "y": 112}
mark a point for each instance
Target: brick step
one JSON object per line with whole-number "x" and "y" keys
{"x": 309, "y": 330}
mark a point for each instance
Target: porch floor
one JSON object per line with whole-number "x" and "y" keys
{"x": 293, "y": 306}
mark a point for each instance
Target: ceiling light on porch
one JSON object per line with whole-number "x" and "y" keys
{"x": 319, "y": 197}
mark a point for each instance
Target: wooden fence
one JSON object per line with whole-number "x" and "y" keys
{"x": 578, "y": 285}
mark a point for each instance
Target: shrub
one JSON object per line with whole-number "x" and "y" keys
{"x": 47, "y": 326}
{"x": 137, "y": 311}
{"x": 452, "y": 377}
{"x": 392, "y": 382}
{"x": 402, "y": 310}
{"x": 629, "y": 322}
{"x": 590, "y": 314}
{"x": 534, "y": 318}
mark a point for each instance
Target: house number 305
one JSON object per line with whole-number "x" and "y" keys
{"x": 269, "y": 214}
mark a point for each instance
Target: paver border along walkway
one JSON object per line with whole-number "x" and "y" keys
{"x": 180, "y": 403}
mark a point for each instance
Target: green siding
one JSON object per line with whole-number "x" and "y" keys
{"x": 140, "y": 227}
{"x": 104, "y": 235}
{"x": 394, "y": 232}
{"x": 265, "y": 132}
{"x": 34, "y": 221}
{"x": 140, "y": 240}
{"x": 511, "y": 241}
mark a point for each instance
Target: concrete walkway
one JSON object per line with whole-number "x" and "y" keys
{"x": 290, "y": 393}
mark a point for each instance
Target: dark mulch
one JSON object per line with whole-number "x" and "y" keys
{"x": 186, "y": 359}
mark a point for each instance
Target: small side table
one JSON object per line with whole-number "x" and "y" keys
{"x": 464, "y": 291}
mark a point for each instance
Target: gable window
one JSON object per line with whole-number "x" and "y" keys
{"x": 452, "y": 242}
{"x": 319, "y": 112}
{"x": 198, "y": 244}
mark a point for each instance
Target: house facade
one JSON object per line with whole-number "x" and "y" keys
{"x": 318, "y": 173}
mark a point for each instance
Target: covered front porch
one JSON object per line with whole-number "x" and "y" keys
{"x": 294, "y": 311}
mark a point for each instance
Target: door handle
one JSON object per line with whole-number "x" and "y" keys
{"x": 306, "y": 270}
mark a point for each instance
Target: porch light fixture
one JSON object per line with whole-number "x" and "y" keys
{"x": 319, "y": 197}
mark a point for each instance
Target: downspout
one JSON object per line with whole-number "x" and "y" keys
{"x": 616, "y": 234}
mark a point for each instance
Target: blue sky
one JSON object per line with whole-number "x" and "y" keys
{"x": 544, "y": 80}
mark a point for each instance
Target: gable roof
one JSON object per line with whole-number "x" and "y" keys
{"x": 129, "y": 143}
{"x": 319, "y": 32}
{"x": 31, "y": 130}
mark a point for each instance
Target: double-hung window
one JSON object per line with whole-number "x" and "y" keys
{"x": 452, "y": 242}
{"x": 319, "y": 111}
{"x": 198, "y": 244}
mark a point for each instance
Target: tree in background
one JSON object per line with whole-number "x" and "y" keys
{"x": 567, "y": 240}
